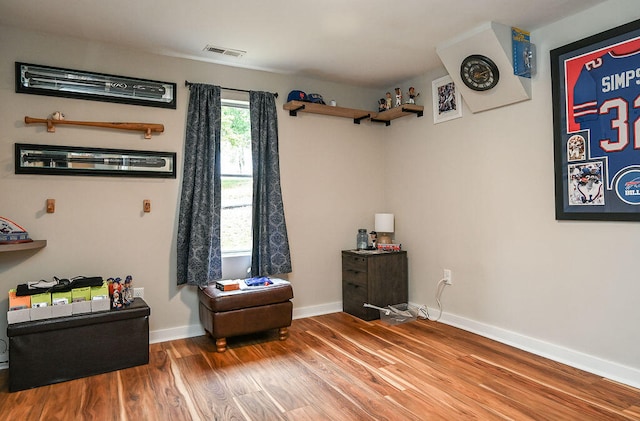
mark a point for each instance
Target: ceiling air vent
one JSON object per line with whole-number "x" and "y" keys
{"x": 224, "y": 51}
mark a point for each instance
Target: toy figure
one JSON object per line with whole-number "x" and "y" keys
{"x": 127, "y": 292}
{"x": 114, "y": 285}
{"x": 116, "y": 300}
{"x": 412, "y": 95}
{"x": 374, "y": 239}
{"x": 388, "y": 100}
{"x": 398, "y": 97}
{"x": 382, "y": 105}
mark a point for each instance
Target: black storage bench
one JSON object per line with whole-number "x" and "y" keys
{"x": 54, "y": 350}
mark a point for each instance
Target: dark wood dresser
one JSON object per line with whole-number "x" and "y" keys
{"x": 373, "y": 277}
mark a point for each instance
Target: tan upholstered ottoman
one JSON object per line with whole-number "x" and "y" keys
{"x": 231, "y": 313}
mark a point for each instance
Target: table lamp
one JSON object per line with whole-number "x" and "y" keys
{"x": 384, "y": 226}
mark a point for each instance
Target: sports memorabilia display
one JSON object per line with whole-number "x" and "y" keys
{"x": 447, "y": 101}
{"x": 147, "y": 128}
{"x": 479, "y": 72}
{"x": 596, "y": 99}
{"x": 71, "y": 160}
{"x": 11, "y": 233}
{"x": 56, "y": 81}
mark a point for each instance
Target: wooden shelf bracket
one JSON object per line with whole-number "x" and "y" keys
{"x": 377, "y": 120}
{"x": 418, "y": 113}
{"x": 294, "y": 111}
{"x": 357, "y": 120}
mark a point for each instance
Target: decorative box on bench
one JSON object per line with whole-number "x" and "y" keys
{"x": 55, "y": 350}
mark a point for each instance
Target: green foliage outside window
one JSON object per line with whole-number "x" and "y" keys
{"x": 237, "y": 181}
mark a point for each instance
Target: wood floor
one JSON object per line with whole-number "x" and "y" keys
{"x": 333, "y": 367}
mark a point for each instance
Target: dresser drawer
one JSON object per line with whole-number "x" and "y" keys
{"x": 354, "y": 270}
{"x": 354, "y": 277}
{"x": 354, "y": 263}
{"x": 353, "y": 299}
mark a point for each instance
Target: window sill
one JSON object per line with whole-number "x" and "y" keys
{"x": 236, "y": 254}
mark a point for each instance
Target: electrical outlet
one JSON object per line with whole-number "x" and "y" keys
{"x": 138, "y": 292}
{"x": 447, "y": 277}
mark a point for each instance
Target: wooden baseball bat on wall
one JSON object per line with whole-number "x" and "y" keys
{"x": 147, "y": 128}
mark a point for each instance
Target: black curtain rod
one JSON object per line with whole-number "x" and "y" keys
{"x": 187, "y": 84}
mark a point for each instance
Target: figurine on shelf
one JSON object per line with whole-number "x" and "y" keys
{"x": 412, "y": 95}
{"x": 389, "y": 102}
{"x": 127, "y": 291}
{"x": 382, "y": 105}
{"x": 398, "y": 97}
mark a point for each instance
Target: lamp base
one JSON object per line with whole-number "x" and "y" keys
{"x": 384, "y": 238}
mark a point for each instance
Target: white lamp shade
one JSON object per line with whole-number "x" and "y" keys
{"x": 384, "y": 222}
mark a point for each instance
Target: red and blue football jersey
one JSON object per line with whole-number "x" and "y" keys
{"x": 606, "y": 101}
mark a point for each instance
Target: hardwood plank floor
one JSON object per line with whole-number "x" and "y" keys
{"x": 333, "y": 367}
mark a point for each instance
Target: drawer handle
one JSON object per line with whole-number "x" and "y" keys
{"x": 354, "y": 271}
{"x": 353, "y": 285}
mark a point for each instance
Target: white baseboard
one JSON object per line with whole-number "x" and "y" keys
{"x": 301, "y": 313}
{"x": 610, "y": 370}
{"x": 613, "y": 371}
{"x": 183, "y": 332}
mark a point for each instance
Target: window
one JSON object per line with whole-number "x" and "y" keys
{"x": 236, "y": 177}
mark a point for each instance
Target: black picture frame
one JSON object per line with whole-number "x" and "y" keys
{"x": 596, "y": 125}
{"x": 68, "y": 83}
{"x": 72, "y": 160}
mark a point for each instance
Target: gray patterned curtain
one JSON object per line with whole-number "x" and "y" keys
{"x": 199, "y": 255}
{"x": 270, "y": 255}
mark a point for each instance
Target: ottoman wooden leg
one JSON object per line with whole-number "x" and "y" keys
{"x": 283, "y": 332}
{"x": 221, "y": 344}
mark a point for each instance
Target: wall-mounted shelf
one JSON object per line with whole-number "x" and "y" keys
{"x": 31, "y": 245}
{"x": 397, "y": 112}
{"x": 295, "y": 107}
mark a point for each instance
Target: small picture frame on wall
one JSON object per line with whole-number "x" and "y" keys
{"x": 71, "y": 160}
{"x": 596, "y": 124}
{"x": 67, "y": 83}
{"x": 447, "y": 102}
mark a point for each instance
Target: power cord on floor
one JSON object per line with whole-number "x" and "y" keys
{"x": 425, "y": 310}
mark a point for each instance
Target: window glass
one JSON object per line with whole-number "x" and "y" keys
{"x": 237, "y": 178}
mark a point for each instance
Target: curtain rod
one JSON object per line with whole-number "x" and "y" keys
{"x": 187, "y": 84}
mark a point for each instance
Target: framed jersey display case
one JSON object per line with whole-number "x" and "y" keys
{"x": 596, "y": 121}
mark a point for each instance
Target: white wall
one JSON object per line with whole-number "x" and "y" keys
{"x": 330, "y": 186}
{"x": 476, "y": 195}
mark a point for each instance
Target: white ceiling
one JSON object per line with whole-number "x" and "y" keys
{"x": 370, "y": 43}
